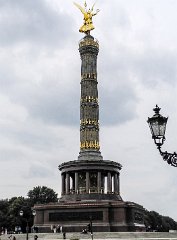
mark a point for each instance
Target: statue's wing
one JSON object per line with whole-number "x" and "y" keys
{"x": 81, "y": 8}
{"x": 93, "y": 7}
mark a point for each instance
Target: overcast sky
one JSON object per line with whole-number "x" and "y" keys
{"x": 40, "y": 94}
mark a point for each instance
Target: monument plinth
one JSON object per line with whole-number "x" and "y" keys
{"x": 90, "y": 186}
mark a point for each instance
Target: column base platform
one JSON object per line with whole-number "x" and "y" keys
{"x": 106, "y": 216}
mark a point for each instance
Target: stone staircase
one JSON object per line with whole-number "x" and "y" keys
{"x": 98, "y": 236}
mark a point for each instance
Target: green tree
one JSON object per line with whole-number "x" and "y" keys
{"x": 10, "y": 209}
{"x": 16, "y": 204}
{"x": 42, "y": 195}
{"x": 156, "y": 222}
{"x": 4, "y": 204}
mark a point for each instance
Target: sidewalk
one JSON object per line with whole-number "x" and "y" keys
{"x": 97, "y": 236}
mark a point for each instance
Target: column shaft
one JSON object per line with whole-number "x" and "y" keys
{"x": 99, "y": 182}
{"x": 67, "y": 183}
{"x": 76, "y": 182}
{"x": 87, "y": 182}
{"x": 109, "y": 183}
{"x": 118, "y": 184}
{"x": 115, "y": 183}
{"x": 89, "y": 115}
{"x": 63, "y": 184}
{"x": 73, "y": 183}
{"x": 103, "y": 186}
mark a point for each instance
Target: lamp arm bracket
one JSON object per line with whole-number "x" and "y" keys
{"x": 171, "y": 158}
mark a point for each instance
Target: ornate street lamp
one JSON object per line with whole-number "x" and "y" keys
{"x": 21, "y": 213}
{"x": 157, "y": 124}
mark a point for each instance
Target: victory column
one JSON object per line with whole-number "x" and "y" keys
{"x": 86, "y": 178}
{"x": 90, "y": 185}
{"x": 89, "y": 108}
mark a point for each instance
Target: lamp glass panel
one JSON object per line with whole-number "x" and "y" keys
{"x": 155, "y": 129}
{"x": 158, "y": 127}
{"x": 162, "y": 129}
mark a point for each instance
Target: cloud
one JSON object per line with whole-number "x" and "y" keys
{"x": 152, "y": 67}
{"x": 117, "y": 105}
{"x": 39, "y": 171}
{"x": 33, "y": 22}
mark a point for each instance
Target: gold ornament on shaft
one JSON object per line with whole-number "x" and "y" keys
{"x": 88, "y": 14}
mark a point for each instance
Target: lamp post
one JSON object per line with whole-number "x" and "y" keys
{"x": 157, "y": 124}
{"x": 27, "y": 221}
{"x": 91, "y": 228}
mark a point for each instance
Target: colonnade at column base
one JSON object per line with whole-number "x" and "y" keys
{"x": 79, "y": 206}
{"x": 90, "y": 179}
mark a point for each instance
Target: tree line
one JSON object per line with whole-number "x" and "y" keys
{"x": 156, "y": 222}
{"x": 10, "y": 218}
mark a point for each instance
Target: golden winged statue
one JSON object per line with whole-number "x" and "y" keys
{"x": 88, "y": 14}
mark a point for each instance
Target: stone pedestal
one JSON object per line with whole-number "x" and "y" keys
{"x": 106, "y": 216}
{"x": 90, "y": 198}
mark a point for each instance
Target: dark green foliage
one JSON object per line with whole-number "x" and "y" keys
{"x": 156, "y": 222}
{"x": 4, "y": 205}
{"x": 41, "y": 195}
{"x": 10, "y": 208}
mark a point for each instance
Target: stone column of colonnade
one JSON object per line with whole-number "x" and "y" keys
{"x": 67, "y": 183}
{"x": 63, "y": 184}
{"x": 112, "y": 183}
{"x": 99, "y": 182}
{"x": 76, "y": 182}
